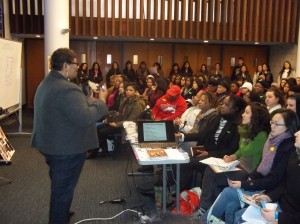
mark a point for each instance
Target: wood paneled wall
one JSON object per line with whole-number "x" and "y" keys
{"x": 253, "y": 56}
{"x": 224, "y": 20}
{"x": 34, "y": 67}
{"x": 122, "y": 51}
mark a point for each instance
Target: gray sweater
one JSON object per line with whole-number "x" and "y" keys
{"x": 64, "y": 121}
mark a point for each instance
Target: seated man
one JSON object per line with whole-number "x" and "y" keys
{"x": 169, "y": 106}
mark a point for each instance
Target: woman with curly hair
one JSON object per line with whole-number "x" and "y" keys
{"x": 253, "y": 135}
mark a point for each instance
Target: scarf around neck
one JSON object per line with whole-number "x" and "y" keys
{"x": 269, "y": 152}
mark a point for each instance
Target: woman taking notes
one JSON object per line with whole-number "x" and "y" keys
{"x": 253, "y": 135}
{"x": 271, "y": 170}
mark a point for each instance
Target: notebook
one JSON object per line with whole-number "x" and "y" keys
{"x": 156, "y": 134}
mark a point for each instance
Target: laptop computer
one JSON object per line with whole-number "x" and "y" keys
{"x": 156, "y": 134}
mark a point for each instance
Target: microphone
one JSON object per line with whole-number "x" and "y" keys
{"x": 184, "y": 124}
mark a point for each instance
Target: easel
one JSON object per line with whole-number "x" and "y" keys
{"x": 11, "y": 93}
{"x": 6, "y": 152}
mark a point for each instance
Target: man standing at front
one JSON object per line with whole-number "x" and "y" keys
{"x": 64, "y": 129}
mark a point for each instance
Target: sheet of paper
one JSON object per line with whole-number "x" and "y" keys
{"x": 220, "y": 163}
{"x": 93, "y": 85}
{"x": 253, "y": 215}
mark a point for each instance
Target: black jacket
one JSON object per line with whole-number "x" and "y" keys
{"x": 228, "y": 140}
{"x": 277, "y": 172}
{"x": 287, "y": 193}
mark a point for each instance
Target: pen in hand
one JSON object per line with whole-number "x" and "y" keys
{"x": 259, "y": 194}
{"x": 262, "y": 192}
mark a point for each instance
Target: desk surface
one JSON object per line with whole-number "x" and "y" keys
{"x": 175, "y": 156}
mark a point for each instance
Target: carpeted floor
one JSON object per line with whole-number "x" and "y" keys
{"x": 26, "y": 199}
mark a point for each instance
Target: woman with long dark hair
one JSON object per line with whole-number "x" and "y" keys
{"x": 286, "y": 71}
{"x": 95, "y": 74}
{"x": 253, "y": 132}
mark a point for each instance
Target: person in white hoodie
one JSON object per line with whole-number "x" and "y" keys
{"x": 187, "y": 120}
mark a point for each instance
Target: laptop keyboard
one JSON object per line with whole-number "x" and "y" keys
{"x": 162, "y": 145}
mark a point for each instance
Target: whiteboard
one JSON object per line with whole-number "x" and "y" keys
{"x": 10, "y": 73}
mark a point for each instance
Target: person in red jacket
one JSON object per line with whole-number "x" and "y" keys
{"x": 169, "y": 106}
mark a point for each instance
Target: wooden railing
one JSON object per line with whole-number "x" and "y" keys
{"x": 224, "y": 20}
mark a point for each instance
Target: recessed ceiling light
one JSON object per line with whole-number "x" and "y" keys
{"x": 38, "y": 36}
{"x": 206, "y": 41}
{"x": 256, "y": 42}
{"x": 152, "y": 39}
{"x": 95, "y": 38}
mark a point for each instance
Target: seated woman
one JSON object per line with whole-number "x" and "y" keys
{"x": 286, "y": 194}
{"x": 159, "y": 90}
{"x": 220, "y": 137}
{"x": 130, "y": 108}
{"x": 207, "y": 105}
{"x": 293, "y": 103}
{"x": 187, "y": 90}
{"x": 253, "y": 135}
{"x": 274, "y": 99}
{"x": 113, "y": 93}
{"x": 271, "y": 170}
{"x": 151, "y": 86}
{"x": 187, "y": 120}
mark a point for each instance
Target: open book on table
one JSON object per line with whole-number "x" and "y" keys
{"x": 218, "y": 165}
{"x": 157, "y": 154}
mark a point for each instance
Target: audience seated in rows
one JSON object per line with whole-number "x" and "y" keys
{"x": 270, "y": 171}
{"x": 253, "y": 132}
{"x": 130, "y": 108}
{"x": 220, "y": 138}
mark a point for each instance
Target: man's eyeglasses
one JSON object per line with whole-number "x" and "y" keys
{"x": 276, "y": 124}
{"x": 74, "y": 63}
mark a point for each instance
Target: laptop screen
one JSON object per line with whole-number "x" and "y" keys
{"x": 156, "y": 131}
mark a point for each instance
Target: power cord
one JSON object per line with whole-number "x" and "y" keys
{"x": 120, "y": 200}
{"x": 144, "y": 218}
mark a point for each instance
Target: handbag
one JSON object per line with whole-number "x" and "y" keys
{"x": 188, "y": 202}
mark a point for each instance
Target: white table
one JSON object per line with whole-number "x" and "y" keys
{"x": 175, "y": 156}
